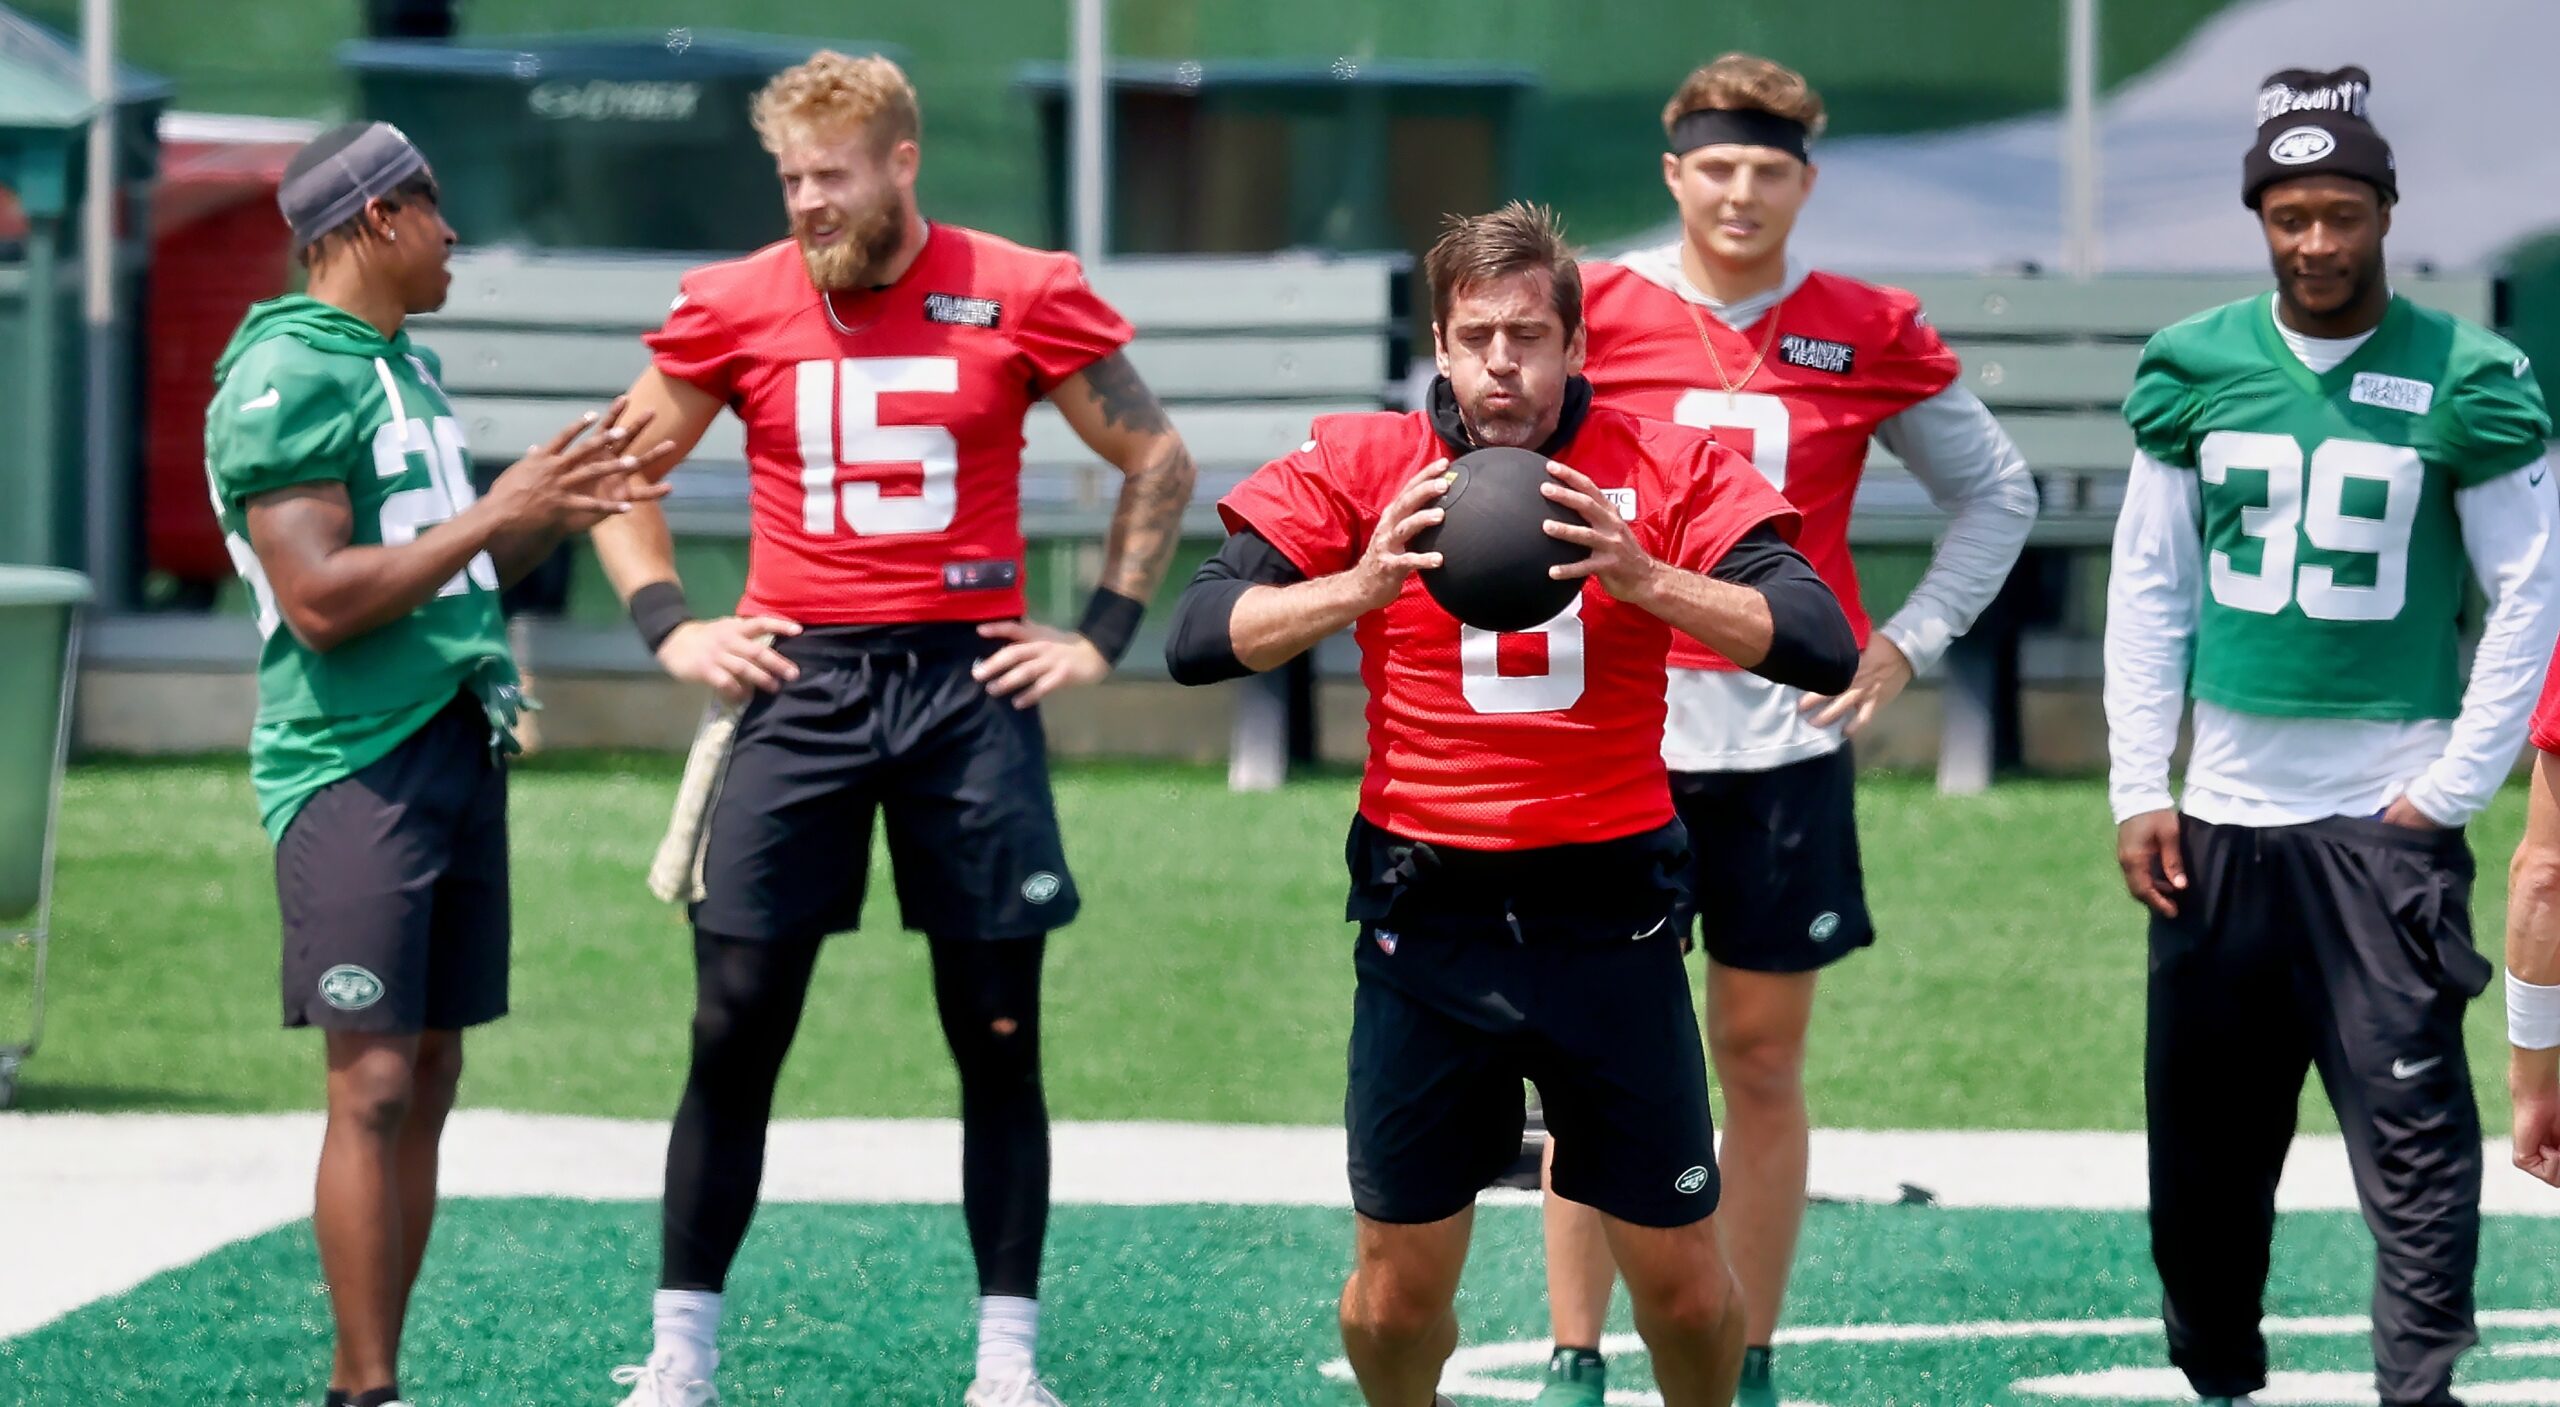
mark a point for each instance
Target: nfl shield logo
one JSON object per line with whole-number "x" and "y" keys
{"x": 1386, "y": 942}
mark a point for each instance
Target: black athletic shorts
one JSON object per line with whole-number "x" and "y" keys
{"x": 393, "y": 887}
{"x": 1777, "y": 884}
{"x": 1478, "y": 969}
{"x": 886, "y": 718}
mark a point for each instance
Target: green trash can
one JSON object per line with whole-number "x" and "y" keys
{"x": 40, "y": 635}
{"x": 590, "y": 141}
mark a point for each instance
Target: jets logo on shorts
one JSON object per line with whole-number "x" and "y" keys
{"x": 1040, "y": 888}
{"x": 2297, "y": 146}
{"x": 1824, "y": 925}
{"x": 1692, "y": 1182}
{"x": 349, "y": 987}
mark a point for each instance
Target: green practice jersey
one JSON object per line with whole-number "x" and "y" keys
{"x": 312, "y": 394}
{"x": 2334, "y": 558}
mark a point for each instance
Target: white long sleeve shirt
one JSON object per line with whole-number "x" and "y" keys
{"x": 2256, "y": 770}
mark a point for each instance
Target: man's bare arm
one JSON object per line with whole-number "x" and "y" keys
{"x": 1112, "y": 411}
{"x": 2533, "y": 882}
{"x": 670, "y": 417}
{"x": 329, "y": 590}
{"x": 2533, "y": 977}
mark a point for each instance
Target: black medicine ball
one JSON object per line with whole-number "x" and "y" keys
{"x": 1494, "y": 555}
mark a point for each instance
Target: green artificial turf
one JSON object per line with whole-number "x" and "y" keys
{"x": 534, "y": 1302}
{"x": 1208, "y": 979}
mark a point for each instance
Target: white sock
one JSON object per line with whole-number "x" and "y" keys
{"x": 1008, "y": 1331}
{"x": 688, "y": 1326}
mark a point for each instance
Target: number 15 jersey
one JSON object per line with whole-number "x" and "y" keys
{"x": 2334, "y": 558}
{"x": 884, "y": 427}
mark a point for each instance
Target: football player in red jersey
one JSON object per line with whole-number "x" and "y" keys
{"x": 1516, "y": 860}
{"x": 882, "y": 366}
{"x": 1801, "y": 370}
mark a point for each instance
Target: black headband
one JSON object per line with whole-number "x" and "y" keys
{"x": 1743, "y": 127}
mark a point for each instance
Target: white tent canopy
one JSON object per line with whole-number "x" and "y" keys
{"x": 2460, "y": 87}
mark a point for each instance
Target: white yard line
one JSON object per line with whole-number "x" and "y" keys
{"x": 1495, "y": 1370}
{"x": 91, "y": 1205}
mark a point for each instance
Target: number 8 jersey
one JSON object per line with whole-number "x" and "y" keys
{"x": 2333, "y": 554}
{"x": 1490, "y": 741}
{"x": 884, "y": 426}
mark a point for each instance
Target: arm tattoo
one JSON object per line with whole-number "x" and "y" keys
{"x": 1122, "y": 394}
{"x": 1148, "y": 521}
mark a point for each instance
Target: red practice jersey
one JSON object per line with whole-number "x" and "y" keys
{"x": 884, "y": 454}
{"x": 1510, "y": 742}
{"x": 2546, "y": 712}
{"x": 1842, "y": 357}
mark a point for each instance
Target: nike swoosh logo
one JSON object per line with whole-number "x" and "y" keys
{"x": 2411, "y": 1069}
{"x": 269, "y": 401}
{"x": 2536, "y": 479}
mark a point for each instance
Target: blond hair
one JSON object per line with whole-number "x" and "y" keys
{"x": 833, "y": 96}
{"x": 1518, "y": 238}
{"x": 1747, "y": 83}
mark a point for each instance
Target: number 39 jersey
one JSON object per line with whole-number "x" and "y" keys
{"x": 885, "y": 435}
{"x": 2334, "y": 558}
{"x": 1491, "y": 741}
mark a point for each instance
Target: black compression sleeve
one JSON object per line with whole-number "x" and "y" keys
{"x": 1811, "y": 646}
{"x": 1199, "y": 648}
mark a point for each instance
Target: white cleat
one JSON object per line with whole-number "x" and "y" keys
{"x": 1024, "y": 1391}
{"x": 654, "y": 1386}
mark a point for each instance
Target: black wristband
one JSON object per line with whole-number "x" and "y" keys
{"x": 1111, "y": 622}
{"x": 657, "y": 609}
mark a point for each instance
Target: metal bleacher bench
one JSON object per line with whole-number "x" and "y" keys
{"x": 2053, "y": 357}
{"x": 1245, "y": 351}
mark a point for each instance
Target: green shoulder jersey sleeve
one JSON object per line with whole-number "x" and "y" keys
{"x": 2494, "y": 422}
{"x": 277, "y": 421}
{"x": 2163, "y": 404}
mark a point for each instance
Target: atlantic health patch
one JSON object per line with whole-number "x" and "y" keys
{"x": 961, "y": 311}
{"x": 1817, "y": 354}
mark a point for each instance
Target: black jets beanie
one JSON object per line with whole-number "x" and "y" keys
{"x": 2314, "y": 124}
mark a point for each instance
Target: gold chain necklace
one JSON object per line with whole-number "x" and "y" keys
{"x": 827, "y": 300}
{"x": 1733, "y": 387}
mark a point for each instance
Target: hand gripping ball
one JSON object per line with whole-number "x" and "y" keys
{"x": 1494, "y": 553}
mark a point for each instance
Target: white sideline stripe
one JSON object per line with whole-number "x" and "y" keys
{"x": 91, "y": 1205}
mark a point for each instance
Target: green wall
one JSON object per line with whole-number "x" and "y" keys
{"x": 1883, "y": 65}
